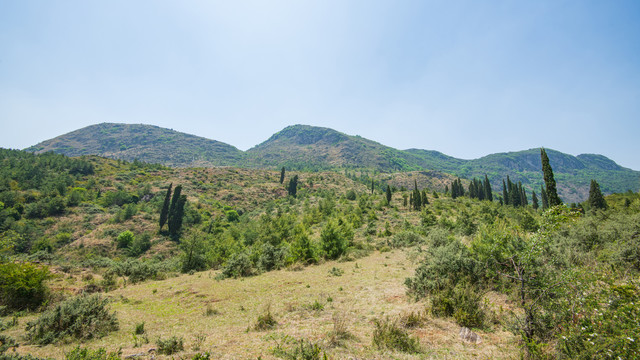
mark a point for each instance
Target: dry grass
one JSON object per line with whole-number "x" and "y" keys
{"x": 373, "y": 289}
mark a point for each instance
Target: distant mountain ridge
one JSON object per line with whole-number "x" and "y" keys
{"x": 146, "y": 143}
{"x": 318, "y": 148}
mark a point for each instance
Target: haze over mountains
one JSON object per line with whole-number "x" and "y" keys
{"x": 306, "y": 147}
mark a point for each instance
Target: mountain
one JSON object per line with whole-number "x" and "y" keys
{"x": 303, "y": 147}
{"x": 146, "y": 143}
{"x": 310, "y": 147}
{"x": 573, "y": 174}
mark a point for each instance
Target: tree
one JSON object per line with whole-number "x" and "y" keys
{"x": 293, "y": 186}
{"x": 487, "y": 189}
{"x": 505, "y": 193}
{"x": 388, "y": 194}
{"x": 550, "y": 182}
{"x": 372, "y": 186}
{"x": 164, "y": 213}
{"x": 545, "y": 199}
{"x": 282, "y": 175}
{"x": 596, "y": 200}
{"x": 534, "y": 200}
{"x": 175, "y": 217}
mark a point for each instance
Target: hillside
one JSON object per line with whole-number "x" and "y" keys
{"x": 303, "y": 147}
{"x": 338, "y": 269}
{"x": 146, "y": 143}
{"x": 310, "y": 147}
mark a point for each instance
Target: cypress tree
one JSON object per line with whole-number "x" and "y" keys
{"x": 372, "y": 187}
{"x": 175, "y": 223}
{"x": 545, "y": 199}
{"x": 487, "y": 189}
{"x": 505, "y": 193}
{"x": 282, "y": 175}
{"x": 534, "y": 200}
{"x": 596, "y": 200}
{"x": 446, "y": 189}
{"x": 425, "y": 200}
{"x": 388, "y": 194}
{"x": 292, "y": 189}
{"x": 164, "y": 213}
{"x": 550, "y": 182}
{"x": 174, "y": 201}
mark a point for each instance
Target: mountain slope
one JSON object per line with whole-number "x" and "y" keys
{"x": 146, "y": 143}
{"x": 304, "y": 147}
{"x": 310, "y": 147}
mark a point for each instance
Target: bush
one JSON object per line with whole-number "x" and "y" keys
{"x": 22, "y": 285}
{"x": 6, "y": 342}
{"x": 406, "y": 238}
{"x": 82, "y": 317}
{"x": 388, "y": 335}
{"x": 462, "y": 302}
{"x": 443, "y": 266}
{"x": 170, "y": 346}
{"x": 125, "y": 239}
{"x": 265, "y": 321}
{"x": 87, "y": 354}
{"x": 239, "y": 265}
{"x": 333, "y": 241}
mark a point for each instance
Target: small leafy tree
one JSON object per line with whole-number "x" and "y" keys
{"x": 22, "y": 285}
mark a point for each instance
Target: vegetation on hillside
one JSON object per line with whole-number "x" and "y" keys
{"x": 309, "y": 148}
{"x": 561, "y": 280}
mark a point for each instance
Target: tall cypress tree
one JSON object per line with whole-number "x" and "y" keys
{"x": 164, "y": 213}
{"x": 545, "y": 199}
{"x": 282, "y": 175}
{"x": 596, "y": 200}
{"x": 388, "y": 194}
{"x": 487, "y": 189}
{"x": 550, "y": 182}
{"x": 505, "y": 193}
{"x": 425, "y": 200}
{"x": 292, "y": 189}
{"x": 534, "y": 200}
{"x": 175, "y": 222}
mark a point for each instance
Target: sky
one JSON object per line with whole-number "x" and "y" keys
{"x": 466, "y": 78}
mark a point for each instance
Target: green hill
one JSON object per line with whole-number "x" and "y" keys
{"x": 303, "y": 147}
{"x": 146, "y": 143}
{"x": 310, "y": 147}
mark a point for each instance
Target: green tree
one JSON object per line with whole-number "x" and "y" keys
{"x": 487, "y": 189}
{"x": 164, "y": 213}
{"x": 333, "y": 241}
{"x": 596, "y": 200}
{"x": 22, "y": 285}
{"x": 292, "y": 189}
{"x": 175, "y": 220}
{"x": 282, "y": 175}
{"x": 388, "y": 195}
{"x": 545, "y": 199}
{"x": 550, "y": 182}
{"x": 534, "y": 200}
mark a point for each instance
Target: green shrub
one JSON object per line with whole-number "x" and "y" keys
{"x": 265, "y": 321}
{"x": 406, "y": 238}
{"x": 6, "y": 343}
{"x": 125, "y": 239}
{"x": 22, "y": 285}
{"x": 87, "y": 354}
{"x": 139, "y": 330}
{"x": 389, "y": 335}
{"x": 462, "y": 302}
{"x": 239, "y": 265}
{"x": 302, "y": 349}
{"x": 170, "y": 346}
{"x": 333, "y": 242}
{"x": 81, "y": 317}
{"x": 442, "y": 267}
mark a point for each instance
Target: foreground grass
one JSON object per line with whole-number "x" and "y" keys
{"x": 220, "y": 316}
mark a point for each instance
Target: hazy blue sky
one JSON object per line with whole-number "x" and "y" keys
{"x": 467, "y": 78}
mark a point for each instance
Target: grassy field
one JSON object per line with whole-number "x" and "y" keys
{"x": 219, "y": 316}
